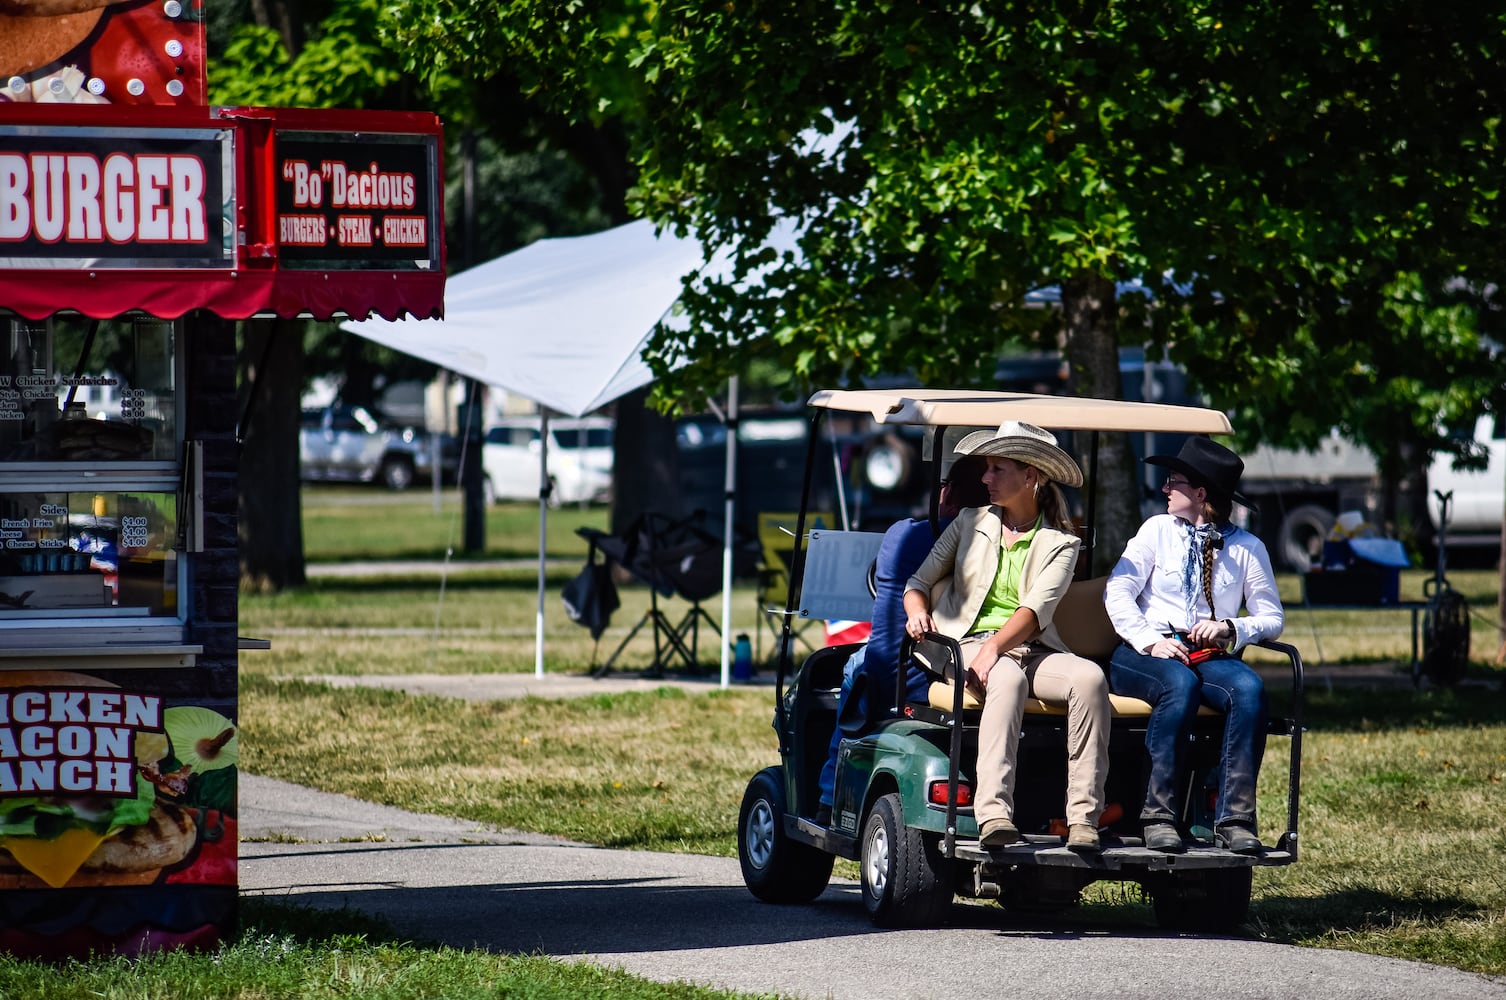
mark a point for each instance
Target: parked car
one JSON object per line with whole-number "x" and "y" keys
{"x": 360, "y": 444}
{"x": 580, "y": 459}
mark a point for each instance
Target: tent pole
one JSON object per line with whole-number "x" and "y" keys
{"x": 730, "y": 482}
{"x": 538, "y": 641}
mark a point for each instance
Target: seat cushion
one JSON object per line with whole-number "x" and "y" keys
{"x": 1120, "y": 705}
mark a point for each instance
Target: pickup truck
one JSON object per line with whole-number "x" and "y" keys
{"x": 359, "y": 444}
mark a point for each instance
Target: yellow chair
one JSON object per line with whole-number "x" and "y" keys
{"x": 776, "y": 542}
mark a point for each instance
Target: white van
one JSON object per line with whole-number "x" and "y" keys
{"x": 1479, "y": 496}
{"x": 580, "y": 459}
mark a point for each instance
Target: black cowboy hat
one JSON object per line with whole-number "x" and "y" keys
{"x": 1210, "y": 465}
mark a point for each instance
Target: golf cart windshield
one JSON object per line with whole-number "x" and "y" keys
{"x": 951, "y": 413}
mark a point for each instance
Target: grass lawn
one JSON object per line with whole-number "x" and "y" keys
{"x": 291, "y": 952}
{"x": 1403, "y": 791}
{"x": 352, "y": 522}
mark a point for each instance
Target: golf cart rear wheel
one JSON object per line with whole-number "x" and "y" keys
{"x": 1213, "y": 900}
{"x": 776, "y": 868}
{"x": 906, "y": 881}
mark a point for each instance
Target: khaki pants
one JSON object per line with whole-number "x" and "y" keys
{"x": 1062, "y": 678}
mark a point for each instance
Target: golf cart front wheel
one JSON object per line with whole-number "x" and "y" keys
{"x": 906, "y": 881}
{"x": 775, "y": 868}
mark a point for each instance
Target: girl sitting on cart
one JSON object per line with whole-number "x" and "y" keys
{"x": 1174, "y": 598}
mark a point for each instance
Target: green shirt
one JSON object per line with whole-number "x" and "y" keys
{"x": 1004, "y": 595}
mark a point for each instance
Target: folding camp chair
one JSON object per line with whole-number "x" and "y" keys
{"x": 675, "y": 558}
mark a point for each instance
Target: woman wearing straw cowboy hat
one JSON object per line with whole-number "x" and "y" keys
{"x": 1174, "y": 598}
{"x": 993, "y": 581}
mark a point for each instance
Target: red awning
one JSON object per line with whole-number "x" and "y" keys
{"x": 110, "y": 210}
{"x": 239, "y": 295}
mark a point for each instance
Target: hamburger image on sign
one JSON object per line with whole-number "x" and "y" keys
{"x": 101, "y": 51}
{"x": 84, "y": 798}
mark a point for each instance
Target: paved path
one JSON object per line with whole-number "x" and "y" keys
{"x": 430, "y": 567}
{"x": 686, "y": 917}
{"x": 491, "y": 687}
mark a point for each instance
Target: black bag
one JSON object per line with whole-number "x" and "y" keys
{"x": 591, "y": 597}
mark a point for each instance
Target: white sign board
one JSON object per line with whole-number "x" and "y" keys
{"x": 835, "y": 586}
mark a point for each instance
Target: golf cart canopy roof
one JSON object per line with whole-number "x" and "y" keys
{"x": 981, "y": 408}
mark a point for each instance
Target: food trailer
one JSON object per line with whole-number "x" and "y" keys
{"x": 137, "y": 225}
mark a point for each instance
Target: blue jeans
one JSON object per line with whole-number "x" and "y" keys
{"x": 916, "y": 688}
{"x": 828, "y": 780}
{"x": 1174, "y": 692}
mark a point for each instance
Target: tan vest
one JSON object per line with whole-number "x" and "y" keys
{"x": 961, "y": 567}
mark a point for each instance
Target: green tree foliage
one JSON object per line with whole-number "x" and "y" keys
{"x": 341, "y": 62}
{"x": 1283, "y": 168}
{"x": 1301, "y": 189}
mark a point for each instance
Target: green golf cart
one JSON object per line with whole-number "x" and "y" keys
{"x": 903, "y": 798}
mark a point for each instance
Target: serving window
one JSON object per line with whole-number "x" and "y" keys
{"x": 76, "y": 390}
{"x": 90, "y": 470}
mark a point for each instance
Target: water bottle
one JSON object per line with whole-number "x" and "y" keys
{"x": 742, "y": 658}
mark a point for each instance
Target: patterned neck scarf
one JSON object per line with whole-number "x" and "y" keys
{"x": 1199, "y": 537}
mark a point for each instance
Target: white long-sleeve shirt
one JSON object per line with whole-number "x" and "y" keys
{"x": 1144, "y": 594}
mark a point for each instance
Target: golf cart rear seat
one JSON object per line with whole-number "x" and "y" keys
{"x": 1083, "y": 622}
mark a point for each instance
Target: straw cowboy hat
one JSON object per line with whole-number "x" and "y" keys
{"x": 1026, "y": 443}
{"x": 1208, "y": 464}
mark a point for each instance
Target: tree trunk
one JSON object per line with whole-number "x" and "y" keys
{"x": 1404, "y": 496}
{"x": 271, "y": 515}
{"x": 1089, "y": 320}
{"x": 473, "y": 501}
{"x": 358, "y": 381}
{"x": 645, "y": 463}
{"x": 278, "y": 15}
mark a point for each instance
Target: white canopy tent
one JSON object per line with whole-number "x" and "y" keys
{"x": 562, "y": 322}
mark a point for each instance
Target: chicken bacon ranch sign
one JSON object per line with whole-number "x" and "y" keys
{"x": 116, "y": 199}
{"x": 72, "y": 741}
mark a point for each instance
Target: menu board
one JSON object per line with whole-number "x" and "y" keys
{"x": 78, "y": 551}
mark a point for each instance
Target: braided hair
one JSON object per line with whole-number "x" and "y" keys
{"x": 1214, "y": 512}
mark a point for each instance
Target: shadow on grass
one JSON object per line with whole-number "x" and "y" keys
{"x": 427, "y": 554}
{"x": 1349, "y": 709}
{"x": 263, "y": 915}
{"x": 523, "y": 581}
{"x": 1299, "y": 918}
